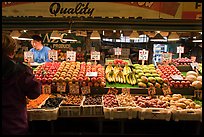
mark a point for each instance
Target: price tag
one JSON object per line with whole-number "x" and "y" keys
{"x": 95, "y": 55}
{"x": 194, "y": 65}
{"x": 61, "y": 87}
{"x": 166, "y": 90}
{"x": 167, "y": 57}
{"x": 46, "y": 89}
{"x": 71, "y": 56}
{"x": 118, "y": 51}
{"x": 28, "y": 56}
{"x": 53, "y": 55}
{"x": 126, "y": 90}
{"x": 74, "y": 89}
{"x": 143, "y": 54}
{"x": 151, "y": 91}
{"x": 85, "y": 90}
{"x": 198, "y": 94}
{"x": 176, "y": 77}
{"x": 91, "y": 74}
{"x": 113, "y": 91}
{"x": 180, "y": 49}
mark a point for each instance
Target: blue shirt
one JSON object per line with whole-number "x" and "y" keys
{"x": 41, "y": 56}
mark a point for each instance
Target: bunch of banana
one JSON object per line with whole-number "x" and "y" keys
{"x": 126, "y": 70}
{"x": 108, "y": 68}
{"x": 111, "y": 76}
{"x": 131, "y": 79}
{"x": 116, "y": 69}
{"x": 120, "y": 78}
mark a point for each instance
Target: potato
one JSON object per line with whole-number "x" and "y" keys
{"x": 182, "y": 105}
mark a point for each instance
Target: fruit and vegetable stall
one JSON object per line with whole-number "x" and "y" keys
{"x": 117, "y": 90}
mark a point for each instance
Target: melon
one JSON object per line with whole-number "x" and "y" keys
{"x": 197, "y": 84}
{"x": 192, "y": 73}
{"x": 199, "y": 78}
{"x": 191, "y": 78}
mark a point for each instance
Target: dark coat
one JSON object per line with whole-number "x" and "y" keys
{"x": 18, "y": 82}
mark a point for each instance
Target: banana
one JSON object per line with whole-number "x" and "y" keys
{"x": 127, "y": 78}
{"x": 124, "y": 79}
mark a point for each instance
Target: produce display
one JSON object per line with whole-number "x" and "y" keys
{"x": 148, "y": 101}
{"x": 72, "y": 72}
{"x": 35, "y": 103}
{"x": 125, "y": 100}
{"x": 53, "y": 102}
{"x": 93, "y": 100}
{"x": 195, "y": 79}
{"x": 166, "y": 72}
{"x": 182, "y": 61}
{"x": 118, "y": 61}
{"x": 46, "y": 72}
{"x": 73, "y": 100}
{"x": 110, "y": 101}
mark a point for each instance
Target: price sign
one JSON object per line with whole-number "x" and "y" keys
{"x": 91, "y": 74}
{"x": 151, "y": 91}
{"x": 180, "y": 49}
{"x": 46, "y": 89}
{"x": 176, "y": 77}
{"x": 74, "y": 89}
{"x": 95, "y": 55}
{"x": 194, "y": 65}
{"x": 28, "y": 56}
{"x": 166, "y": 90}
{"x": 198, "y": 94}
{"x": 71, "y": 56}
{"x": 61, "y": 87}
{"x": 85, "y": 90}
{"x": 167, "y": 57}
{"x": 118, "y": 51}
{"x": 143, "y": 54}
{"x": 53, "y": 55}
{"x": 126, "y": 90}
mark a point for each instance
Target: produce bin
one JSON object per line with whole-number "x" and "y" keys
{"x": 155, "y": 113}
{"x": 187, "y": 114}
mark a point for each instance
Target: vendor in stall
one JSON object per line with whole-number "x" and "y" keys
{"x": 40, "y": 52}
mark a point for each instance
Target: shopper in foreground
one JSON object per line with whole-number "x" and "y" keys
{"x": 18, "y": 82}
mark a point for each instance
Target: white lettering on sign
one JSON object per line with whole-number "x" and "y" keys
{"x": 53, "y": 55}
{"x": 118, "y": 51}
{"x": 28, "y": 56}
{"x": 147, "y": 4}
{"x": 71, "y": 56}
{"x": 95, "y": 55}
{"x": 91, "y": 74}
{"x": 180, "y": 49}
{"x": 61, "y": 86}
{"x": 143, "y": 54}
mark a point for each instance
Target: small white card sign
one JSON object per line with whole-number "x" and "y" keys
{"x": 91, "y": 74}
{"x": 46, "y": 89}
{"x": 28, "y": 56}
{"x": 143, "y": 54}
{"x": 71, "y": 56}
{"x": 53, "y": 55}
{"x": 95, "y": 55}
{"x": 194, "y": 65}
{"x": 180, "y": 49}
{"x": 118, "y": 51}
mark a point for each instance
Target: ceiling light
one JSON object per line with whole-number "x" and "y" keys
{"x": 158, "y": 37}
{"x": 68, "y": 37}
{"x": 55, "y": 35}
{"x": 81, "y": 33}
{"x": 15, "y": 34}
{"x": 24, "y": 36}
{"x": 173, "y": 36}
{"x": 134, "y": 35}
{"x": 95, "y": 35}
{"x": 198, "y": 39}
